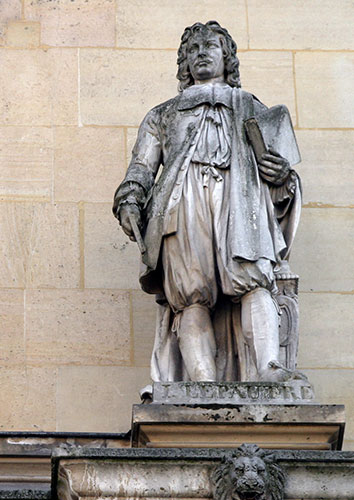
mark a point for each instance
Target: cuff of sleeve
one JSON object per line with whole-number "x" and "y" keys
{"x": 286, "y": 191}
{"x": 129, "y": 193}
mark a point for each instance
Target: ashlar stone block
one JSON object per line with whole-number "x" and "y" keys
{"x": 327, "y": 168}
{"x": 74, "y": 23}
{"x": 326, "y": 319}
{"x": 98, "y": 398}
{"x": 44, "y": 92}
{"x": 111, "y": 259}
{"x": 9, "y": 11}
{"x": 89, "y": 163}
{"x": 24, "y": 34}
{"x": 144, "y": 320}
{"x": 87, "y": 327}
{"x": 27, "y": 399}
{"x": 269, "y": 76}
{"x": 118, "y": 87}
{"x": 12, "y": 340}
{"x": 135, "y": 31}
{"x": 324, "y": 85}
{"x": 26, "y": 162}
{"x": 39, "y": 245}
{"x": 319, "y": 24}
{"x": 323, "y": 248}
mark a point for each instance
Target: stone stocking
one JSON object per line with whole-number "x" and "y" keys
{"x": 260, "y": 328}
{"x": 197, "y": 343}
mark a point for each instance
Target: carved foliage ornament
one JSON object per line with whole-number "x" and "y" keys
{"x": 249, "y": 473}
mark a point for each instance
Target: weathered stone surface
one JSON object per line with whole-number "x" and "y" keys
{"x": 144, "y": 319}
{"x": 24, "y": 34}
{"x": 9, "y": 11}
{"x": 135, "y": 30}
{"x": 43, "y": 444}
{"x": 320, "y": 254}
{"x": 119, "y": 87}
{"x": 291, "y": 426}
{"x": 74, "y": 22}
{"x": 326, "y": 319}
{"x": 247, "y": 413}
{"x": 77, "y": 327}
{"x": 27, "y": 399}
{"x": 46, "y": 91}
{"x": 269, "y": 76}
{"x": 327, "y": 169}
{"x": 324, "y": 89}
{"x": 320, "y": 481}
{"x": 335, "y": 387}
{"x": 96, "y": 398}
{"x": 248, "y": 465}
{"x": 26, "y": 158}
{"x": 88, "y": 163}
{"x": 111, "y": 259}
{"x": 300, "y": 25}
{"x": 39, "y": 245}
{"x": 165, "y": 481}
{"x": 23, "y": 475}
{"x": 223, "y": 393}
{"x": 11, "y": 328}
{"x": 158, "y": 473}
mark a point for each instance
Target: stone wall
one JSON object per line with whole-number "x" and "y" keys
{"x": 77, "y": 77}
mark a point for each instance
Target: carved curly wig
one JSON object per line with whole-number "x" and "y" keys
{"x": 232, "y": 74}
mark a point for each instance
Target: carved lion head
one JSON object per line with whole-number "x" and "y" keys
{"x": 248, "y": 474}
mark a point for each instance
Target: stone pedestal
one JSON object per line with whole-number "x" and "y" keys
{"x": 213, "y": 415}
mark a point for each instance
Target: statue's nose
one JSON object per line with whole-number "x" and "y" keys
{"x": 202, "y": 51}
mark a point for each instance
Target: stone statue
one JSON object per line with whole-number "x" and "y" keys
{"x": 214, "y": 219}
{"x": 249, "y": 473}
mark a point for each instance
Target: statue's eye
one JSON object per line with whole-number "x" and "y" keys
{"x": 261, "y": 468}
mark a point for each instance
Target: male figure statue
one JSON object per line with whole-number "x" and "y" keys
{"x": 216, "y": 224}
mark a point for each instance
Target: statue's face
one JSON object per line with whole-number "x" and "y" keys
{"x": 205, "y": 56}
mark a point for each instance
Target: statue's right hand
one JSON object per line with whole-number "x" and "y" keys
{"x": 125, "y": 213}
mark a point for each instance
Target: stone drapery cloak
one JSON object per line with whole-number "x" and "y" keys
{"x": 262, "y": 218}
{"x": 168, "y": 137}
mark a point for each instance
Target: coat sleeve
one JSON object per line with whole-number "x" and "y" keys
{"x": 286, "y": 199}
{"x": 143, "y": 167}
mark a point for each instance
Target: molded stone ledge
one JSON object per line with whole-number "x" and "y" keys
{"x": 25, "y": 459}
{"x": 272, "y": 426}
{"x": 178, "y": 473}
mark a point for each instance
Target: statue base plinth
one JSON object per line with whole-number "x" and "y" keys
{"x": 225, "y": 415}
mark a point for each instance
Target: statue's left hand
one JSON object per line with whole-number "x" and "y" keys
{"x": 274, "y": 168}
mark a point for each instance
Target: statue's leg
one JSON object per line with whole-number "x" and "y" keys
{"x": 190, "y": 280}
{"x": 260, "y": 326}
{"x": 197, "y": 343}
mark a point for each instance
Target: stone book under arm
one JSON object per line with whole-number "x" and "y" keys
{"x": 273, "y": 128}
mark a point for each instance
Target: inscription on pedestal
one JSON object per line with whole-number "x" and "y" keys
{"x": 295, "y": 391}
